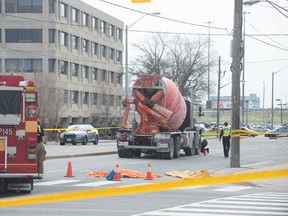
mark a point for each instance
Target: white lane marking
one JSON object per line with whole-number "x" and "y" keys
{"x": 56, "y": 182}
{"x": 232, "y": 189}
{"x": 95, "y": 184}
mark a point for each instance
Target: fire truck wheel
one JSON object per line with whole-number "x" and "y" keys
{"x": 62, "y": 143}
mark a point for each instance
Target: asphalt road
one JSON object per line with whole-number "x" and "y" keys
{"x": 267, "y": 197}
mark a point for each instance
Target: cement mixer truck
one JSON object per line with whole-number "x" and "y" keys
{"x": 163, "y": 127}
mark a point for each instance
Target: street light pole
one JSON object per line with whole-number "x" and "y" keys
{"x": 236, "y": 71}
{"x": 243, "y": 66}
{"x": 272, "y": 102}
{"x": 126, "y": 49}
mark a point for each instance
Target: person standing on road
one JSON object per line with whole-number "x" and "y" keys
{"x": 41, "y": 153}
{"x": 226, "y": 136}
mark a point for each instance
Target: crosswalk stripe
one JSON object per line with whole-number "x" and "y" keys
{"x": 208, "y": 205}
{"x": 94, "y": 184}
{"x": 232, "y": 189}
{"x": 252, "y": 204}
{"x": 56, "y": 182}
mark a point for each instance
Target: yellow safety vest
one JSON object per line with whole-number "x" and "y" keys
{"x": 226, "y": 131}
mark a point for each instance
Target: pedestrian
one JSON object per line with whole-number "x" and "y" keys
{"x": 56, "y": 133}
{"x": 226, "y": 136}
{"x": 41, "y": 152}
{"x": 204, "y": 144}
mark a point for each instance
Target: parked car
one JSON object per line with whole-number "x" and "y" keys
{"x": 82, "y": 133}
{"x": 247, "y": 132}
{"x": 279, "y": 132}
{"x": 259, "y": 128}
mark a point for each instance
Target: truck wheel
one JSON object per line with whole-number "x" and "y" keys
{"x": 188, "y": 151}
{"x": 170, "y": 153}
{"x": 129, "y": 153}
{"x": 176, "y": 153}
{"x": 62, "y": 143}
{"x": 137, "y": 153}
{"x": 121, "y": 153}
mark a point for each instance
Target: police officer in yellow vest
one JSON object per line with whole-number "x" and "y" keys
{"x": 226, "y": 136}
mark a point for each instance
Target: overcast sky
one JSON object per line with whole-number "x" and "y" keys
{"x": 266, "y": 40}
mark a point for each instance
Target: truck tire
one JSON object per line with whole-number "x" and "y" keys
{"x": 62, "y": 143}
{"x": 169, "y": 155}
{"x": 137, "y": 153}
{"x": 176, "y": 153}
{"x": 188, "y": 151}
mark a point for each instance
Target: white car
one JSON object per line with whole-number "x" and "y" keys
{"x": 82, "y": 133}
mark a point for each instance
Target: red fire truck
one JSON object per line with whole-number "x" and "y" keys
{"x": 18, "y": 133}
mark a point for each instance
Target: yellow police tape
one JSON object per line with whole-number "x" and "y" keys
{"x": 153, "y": 187}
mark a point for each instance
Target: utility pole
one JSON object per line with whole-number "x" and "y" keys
{"x": 236, "y": 71}
{"x": 209, "y": 24}
{"x": 218, "y": 96}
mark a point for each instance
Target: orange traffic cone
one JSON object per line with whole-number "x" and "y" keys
{"x": 117, "y": 174}
{"x": 149, "y": 174}
{"x": 205, "y": 152}
{"x": 69, "y": 170}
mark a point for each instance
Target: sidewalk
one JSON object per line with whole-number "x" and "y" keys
{"x": 104, "y": 147}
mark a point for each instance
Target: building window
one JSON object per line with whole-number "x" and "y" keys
{"x": 103, "y": 99}
{"x": 23, "y": 35}
{"x": 104, "y": 75}
{"x": 85, "y": 70}
{"x": 63, "y": 38}
{"x": 85, "y": 44}
{"x": 111, "y": 53}
{"x": 85, "y": 19}
{"x": 103, "y": 27}
{"x": 74, "y": 97}
{"x": 104, "y": 51}
{"x": 63, "y": 96}
{"x": 64, "y": 10}
{"x": 94, "y": 73}
{"x": 95, "y": 23}
{"x": 112, "y": 76}
{"x": 95, "y": 48}
{"x": 112, "y": 31}
{"x": 75, "y": 15}
{"x": 119, "y": 34}
{"x": 74, "y": 69}
{"x": 85, "y": 97}
{"x": 51, "y": 65}
{"x": 64, "y": 68}
{"x": 23, "y": 65}
{"x": 23, "y": 6}
{"x": 51, "y": 33}
{"x": 119, "y": 79}
{"x": 75, "y": 41}
{"x": 111, "y": 100}
{"x": 95, "y": 98}
{"x": 51, "y": 6}
{"x": 119, "y": 56}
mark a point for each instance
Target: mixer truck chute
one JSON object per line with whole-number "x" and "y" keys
{"x": 163, "y": 112}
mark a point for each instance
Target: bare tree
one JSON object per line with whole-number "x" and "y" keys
{"x": 179, "y": 58}
{"x": 50, "y": 98}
